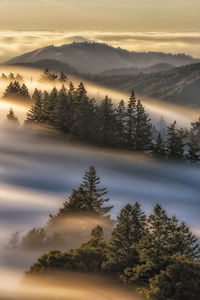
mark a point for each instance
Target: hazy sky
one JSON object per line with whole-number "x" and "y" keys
{"x": 109, "y": 18}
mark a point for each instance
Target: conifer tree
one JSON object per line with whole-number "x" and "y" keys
{"x": 107, "y": 122}
{"x": 24, "y": 93}
{"x": 61, "y": 110}
{"x": 159, "y": 148}
{"x": 12, "y": 119}
{"x": 175, "y": 142}
{"x": 50, "y": 101}
{"x": 121, "y": 124}
{"x": 35, "y": 112}
{"x": 192, "y": 154}
{"x": 95, "y": 195}
{"x": 131, "y": 121}
{"x": 125, "y": 238}
{"x": 164, "y": 238}
{"x": 143, "y": 129}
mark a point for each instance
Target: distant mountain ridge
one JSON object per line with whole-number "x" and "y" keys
{"x": 134, "y": 71}
{"x": 94, "y": 58}
{"x": 180, "y": 85}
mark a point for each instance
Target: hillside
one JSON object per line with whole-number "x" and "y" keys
{"x": 94, "y": 58}
{"x": 180, "y": 85}
{"x": 134, "y": 71}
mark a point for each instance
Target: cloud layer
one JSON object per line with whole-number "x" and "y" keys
{"x": 13, "y": 43}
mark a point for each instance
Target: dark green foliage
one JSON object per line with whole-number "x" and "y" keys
{"x": 128, "y": 231}
{"x": 35, "y": 114}
{"x": 101, "y": 123}
{"x": 95, "y": 195}
{"x": 160, "y": 256}
{"x": 88, "y": 199}
{"x": 107, "y": 122}
{"x": 159, "y": 147}
{"x": 143, "y": 126}
{"x": 88, "y": 258}
{"x": 180, "y": 281}
{"x": 121, "y": 134}
{"x": 175, "y": 142}
{"x": 131, "y": 121}
{"x": 164, "y": 238}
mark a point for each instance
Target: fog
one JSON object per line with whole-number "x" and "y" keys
{"x": 66, "y": 287}
{"x": 157, "y": 109}
{"x": 39, "y": 170}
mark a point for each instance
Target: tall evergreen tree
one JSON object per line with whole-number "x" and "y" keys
{"x": 95, "y": 195}
{"x": 164, "y": 238}
{"x": 143, "y": 129}
{"x": 129, "y": 230}
{"x": 49, "y": 106}
{"x": 36, "y": 111}
{"x": 159, "y": 148}
{"x": 24, "y": 93}
{"x": 107, "y": 122}
{"x": 175, "y": 142}
{"x": 131, "y": 121}
{"x": 121, "y": 116}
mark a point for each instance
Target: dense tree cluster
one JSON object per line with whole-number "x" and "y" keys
{"x": 47, "y": 76}
{"x": 156, "y": 253}
{"x": 12, "y": 77}
{"x": 104, "y": 124}
{"x": 16, "y": 91}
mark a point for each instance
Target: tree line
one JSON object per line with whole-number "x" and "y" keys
{"x": 104, "y": 124}
{"x": 157, "y": 254}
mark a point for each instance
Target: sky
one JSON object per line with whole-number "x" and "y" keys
{"x": 169, "y": 26}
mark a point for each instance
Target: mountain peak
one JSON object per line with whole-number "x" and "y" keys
{"x": 93, "y": 57}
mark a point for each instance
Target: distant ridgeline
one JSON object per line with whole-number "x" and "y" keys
{"x": 156, "y": 254}
{"x": 102, "y": 123}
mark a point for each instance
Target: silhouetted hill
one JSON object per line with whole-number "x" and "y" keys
{"x": 93, "y": 58}
{"x": 50, "y": 64}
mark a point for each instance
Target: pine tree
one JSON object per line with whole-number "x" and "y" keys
{"x": 159, "y": 147}
{"x": 35, "y": 112}
{"x": 164, "y": 238}
{"x": 88, "y": 199}
{"x": 131, "y": 121}
{"x": 49, "y": 104}
{"x": 24, "y": 93}
{"x": 125, "y": 238}
{"x": 13, "y": 90}
{"x": 107, "y": 122}
{"x": 95, "y": 195}
{"x": 175, "y": 142}
{"x": 61, "y": 110}
{"x": 143, "y": 129}
{"x": 12, "y": 119}
{"x": 192, "y": 155}
{"x": 121, "y": 124}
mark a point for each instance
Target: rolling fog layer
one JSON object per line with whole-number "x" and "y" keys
{"x": 38, "y": 173}
{"x": 156, "y": 109}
